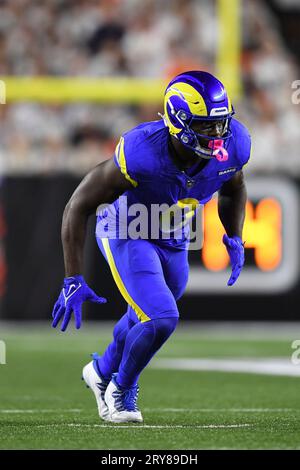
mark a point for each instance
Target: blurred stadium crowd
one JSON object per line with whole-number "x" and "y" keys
{"x": 156, "y": 38}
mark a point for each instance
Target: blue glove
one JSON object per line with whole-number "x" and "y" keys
{"x": 75, "y": 291}
{"x": 235, "y": 249}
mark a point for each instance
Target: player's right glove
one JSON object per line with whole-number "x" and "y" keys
{"x": 75, "y": 291}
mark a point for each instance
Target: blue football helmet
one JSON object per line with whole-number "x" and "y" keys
{"x": 198, "y": 99}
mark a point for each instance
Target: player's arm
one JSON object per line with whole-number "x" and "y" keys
{"x": 103, "y": 184}
{"x": 231, "y": 207}
{"x": 231, "y": 204}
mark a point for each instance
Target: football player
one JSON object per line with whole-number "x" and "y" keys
{"x": 196, "y": 149}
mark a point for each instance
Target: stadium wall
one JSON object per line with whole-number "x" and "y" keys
{"x": 31, "y": 263}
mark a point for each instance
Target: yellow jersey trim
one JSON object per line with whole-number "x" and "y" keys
{"x": 117, "y": 278}
{"x": 120, "y": 156}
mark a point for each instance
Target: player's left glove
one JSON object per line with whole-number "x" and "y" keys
{"x": 235, "y": 249}
{"x": 75, "y": 291}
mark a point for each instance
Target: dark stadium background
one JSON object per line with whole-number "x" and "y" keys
{"x": 37, "y": 181}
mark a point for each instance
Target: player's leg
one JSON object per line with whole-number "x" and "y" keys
{"x": 144, "y": 340}
{"x": 97, "y": 373}
{"x": 141, "y": 344}
{"x": 176, "y": 270}
{"x": 137, "y": 270}
{"x": 110, "y": 360}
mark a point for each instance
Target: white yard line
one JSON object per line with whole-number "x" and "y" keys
{"x": 149, "y": 426}
{"x": 220, "y": 410}
{"x": 162, "y": 410}
{"x": 264, "y": 366}
{"x": 12, "y": 411}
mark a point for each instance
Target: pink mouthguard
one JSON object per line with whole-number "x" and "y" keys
{"x": 219, "y": 151}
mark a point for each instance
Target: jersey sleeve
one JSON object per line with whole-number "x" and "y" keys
{"x": 124, "y": 158}
{"x": 130, "y": 156}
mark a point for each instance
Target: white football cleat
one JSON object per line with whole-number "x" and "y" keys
{"x": 122, "y": 403}
{"x": 98, "y": 385}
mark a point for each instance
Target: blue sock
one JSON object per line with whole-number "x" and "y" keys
{"x": 141, "y": 343}
{"x": 109, "y": 362}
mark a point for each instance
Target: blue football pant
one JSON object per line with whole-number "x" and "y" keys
{"x": 151, "y": 279}
{"x": 133, "y": 346}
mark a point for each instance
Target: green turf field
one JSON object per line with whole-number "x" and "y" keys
{"x": 44, "y": 404}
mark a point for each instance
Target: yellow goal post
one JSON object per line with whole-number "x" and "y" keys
{"x": 116, "y": 90}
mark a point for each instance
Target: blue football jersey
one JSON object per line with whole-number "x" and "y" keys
{"x": 144, "y": 158}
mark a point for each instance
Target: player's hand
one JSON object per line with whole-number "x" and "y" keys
{"x": 235, "y": 249}
{"x": 75, "y": 291}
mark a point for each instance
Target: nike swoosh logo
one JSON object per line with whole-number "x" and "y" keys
{"x": 69, "y": 294}
{"x": 72, "y": 285}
